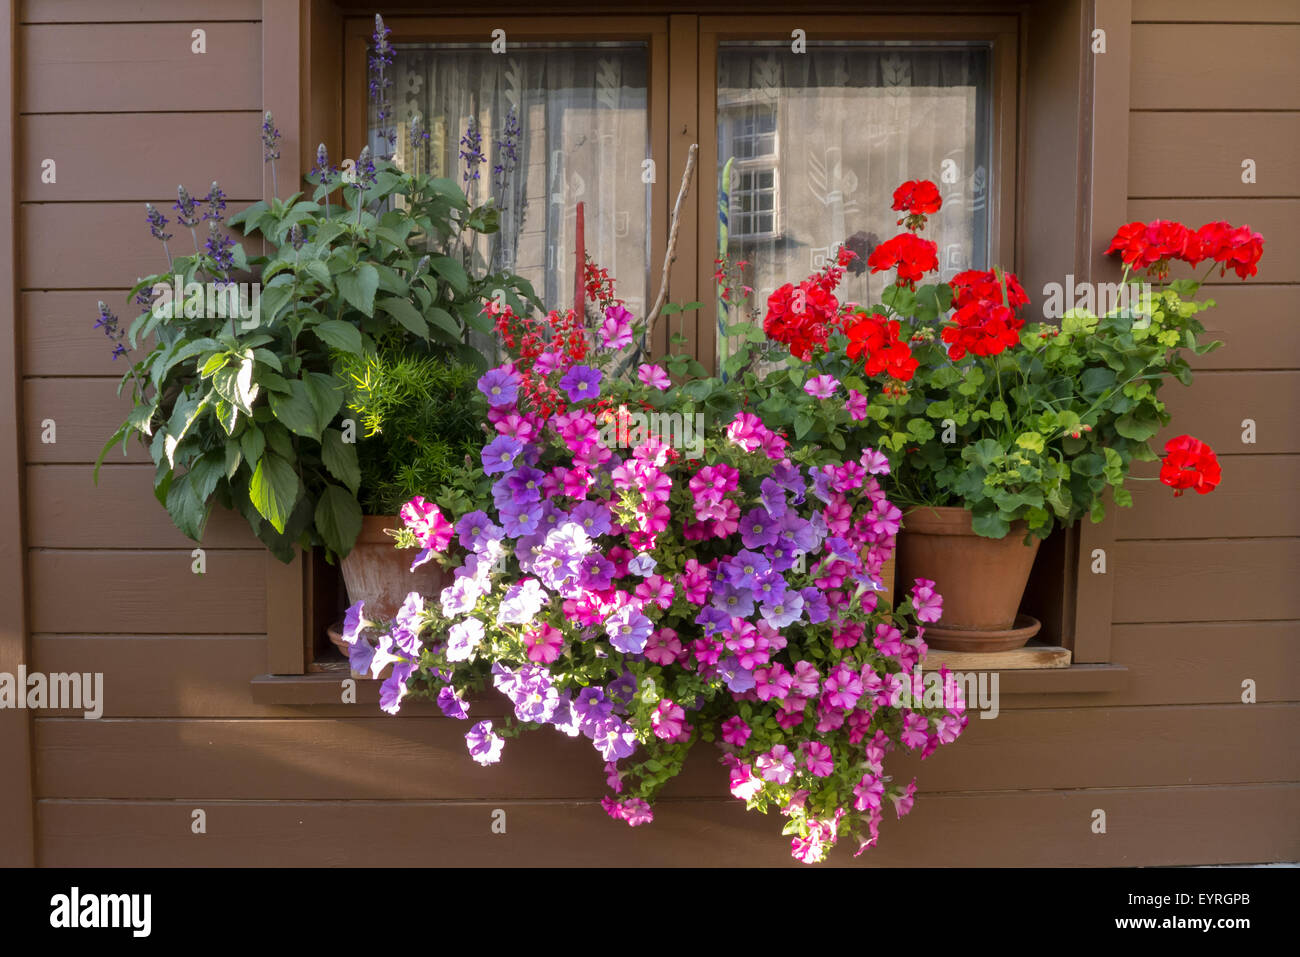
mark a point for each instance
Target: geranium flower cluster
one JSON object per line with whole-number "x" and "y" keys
{"x": 645, "y": 602}
{"x": 803, "y": 316}
{"x": 1155, "y": 245}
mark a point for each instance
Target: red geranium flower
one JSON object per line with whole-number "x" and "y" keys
{"x": 912, "y": 255}
{"x": 1238, "y": 248}
{"x": 876, "y": 340}
{"x": 1151, "y": 245}
{"x": 918, "y": 197}
{"x": 976, "y": 284}
{"x": 799, "y": 316}
{"x": 1189, "y": 463}
{"x": 983, "y": 328}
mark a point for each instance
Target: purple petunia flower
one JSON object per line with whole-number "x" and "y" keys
{"x": 614, "y": 739}
{"x": 353, "y": 622}
{"x": 452, "y": 702}
{"x": 499, "y": 455}
{"x": 484, "y": 746}
{"x": 743, "y": 570}
{"x": 642, "y": 565}
{"x": 783, "y": 612}
{"x": 520, "y": 519}
{"x": 733, "y": 602}
{"x": 593, "y": 517}
{"x": 815, "y": 604}
{"x": 462, "y": 638}
{"x": 393, "y": 690}
{"x": 758, "y": 528}
{"x": 581, "y": 383}
{"x": 524, "y": 600}
{"x": 500, "y": 385}
{"x": 772, "y": 494}
{"x": 628, "y": 630}
{"x": 475, "y": 527}
{"x": 788, "y": 477}
{"x": 738, "y": 679}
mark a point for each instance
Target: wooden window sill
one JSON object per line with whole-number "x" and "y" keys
{"x": 325, "y": 687}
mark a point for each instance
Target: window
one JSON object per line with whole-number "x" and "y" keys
{"x": 799, "y": 152}
{"x": 853, "y": 120}
{"x": 747, "y": 134}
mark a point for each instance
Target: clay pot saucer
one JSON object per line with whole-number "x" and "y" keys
{"x": 969, "y": 639}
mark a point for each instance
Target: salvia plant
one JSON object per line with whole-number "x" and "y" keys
{"x": 238, "y": 391}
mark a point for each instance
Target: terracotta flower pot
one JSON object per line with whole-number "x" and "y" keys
{"x": 981, "y": 579}
{"x": 380, "y": 575}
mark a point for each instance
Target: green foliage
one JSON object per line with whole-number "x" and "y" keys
{"x": 1039, "y": 433}
{"x": 247, "y": 412}
{"x": 419, "y": 419}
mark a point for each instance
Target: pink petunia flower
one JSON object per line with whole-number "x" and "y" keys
{"x": 653, "y": 376}
{"x": 735, "y": 731}
{"x": 822, "y": 386}
{"x": 776, "y": 765}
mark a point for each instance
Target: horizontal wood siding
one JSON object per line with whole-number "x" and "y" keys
{"x": 1203, "y": 596}
{"x": 1145, "y": 826}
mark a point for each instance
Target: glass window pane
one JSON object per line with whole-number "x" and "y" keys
{"x": 556, "y": 124}
{"x": 844, "y": 124}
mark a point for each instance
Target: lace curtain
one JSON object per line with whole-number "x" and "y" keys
{"x": 537, "y": 129}
{"x": 811, "y": 147}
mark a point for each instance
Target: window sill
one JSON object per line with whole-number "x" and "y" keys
{"x": 324, "y": 688}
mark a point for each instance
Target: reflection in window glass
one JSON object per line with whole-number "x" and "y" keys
{"x": 537, "y": 130}
{"x": 811, "y": 147}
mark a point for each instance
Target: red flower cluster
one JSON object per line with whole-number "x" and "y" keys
{"x": 917, "y": 198}
{"x": 912, "y": 255}
{"x": 982, "y": 328}
{"x": 541, "y": 347}
{"x": 1153, "y": 246}
{"x": 801, "y": 316}
{"x": 1235, "y": 247}
{"x": 1189, "y": 463}
{"x": 599, "y": 285}
{"x": 976, "y": 284}
{"x": 875, "y": 339}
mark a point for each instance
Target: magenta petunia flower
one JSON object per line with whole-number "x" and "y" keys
{"x": 616, "y": 329}
{"x": 817, "y": 759}
{"x": 653, "y": 376}
{"x": 822, "y": 386}
{"x": 776, "y": 765}
{"x": 667, "y": 719}
{"x": 735, "y": 731}
{"x": 856, "y": 405}
{"x": 544, "y": 643}
{"x": 927, "y": 602}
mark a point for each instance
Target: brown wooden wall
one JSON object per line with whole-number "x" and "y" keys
{"x": 1204, "y": 592}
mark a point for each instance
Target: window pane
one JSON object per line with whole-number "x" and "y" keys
{"x": 826, "y": 136}
{"x": 556, "y": 124}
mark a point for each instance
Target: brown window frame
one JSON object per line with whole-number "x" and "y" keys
{"x": 322, "y": 83}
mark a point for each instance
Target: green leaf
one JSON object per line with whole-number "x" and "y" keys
{"x": 274, "y": 489}
{"x": 340, "y": 335}
{"x": 338, "y": 519}
{"x": 341, "y": 459}
{"x": 991, "y": 525}
{"x": 184, "y": 415}
{"x": 187, "y": 510}
{"x": 326, "y": 397}
{"x": 358, "y": 287}
{"x": 452, "y": 271}
{"x": 405, "y": 313}
{"x": 444, "y": 321}
{"x": 206, "y": 473}
{"x": 251, "y": 443}
{"x": 296, "y": 410}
